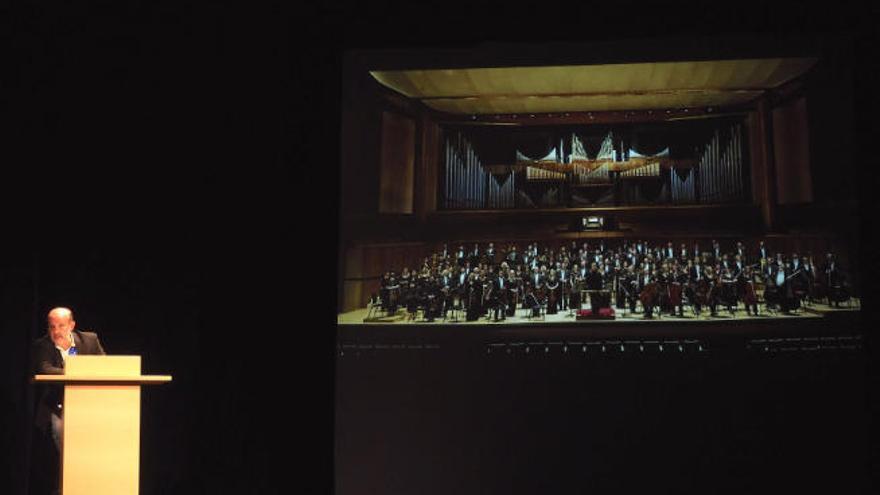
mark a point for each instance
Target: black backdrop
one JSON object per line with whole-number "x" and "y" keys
{"x": 159, "y": 192}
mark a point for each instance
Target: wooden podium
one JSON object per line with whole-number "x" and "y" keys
{"x": 102, "y": 422}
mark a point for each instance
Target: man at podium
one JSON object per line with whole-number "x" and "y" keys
{"x": 49, "y": 353}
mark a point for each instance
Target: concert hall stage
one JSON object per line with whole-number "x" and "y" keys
{"x": 809, "y": 322}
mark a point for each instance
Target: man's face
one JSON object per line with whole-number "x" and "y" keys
{"x": 59, "y": 327}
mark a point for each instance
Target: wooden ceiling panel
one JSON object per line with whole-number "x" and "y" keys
{"x": 594, "y": 87}
{"x": 607, "y": 102}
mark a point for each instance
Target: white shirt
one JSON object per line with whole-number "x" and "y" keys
{"x": 66, "y": 353}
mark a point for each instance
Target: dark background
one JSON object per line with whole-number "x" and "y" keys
{"x": 159, "y": 192}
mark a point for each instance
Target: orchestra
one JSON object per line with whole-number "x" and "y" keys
{"x": 491, "y": 283}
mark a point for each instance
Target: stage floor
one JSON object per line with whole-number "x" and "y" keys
{"x": 813, "y": 311}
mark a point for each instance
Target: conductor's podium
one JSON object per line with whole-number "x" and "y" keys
{"x": 102, "y": 416}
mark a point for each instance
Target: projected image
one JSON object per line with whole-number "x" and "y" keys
{"x": 672, "y": 163}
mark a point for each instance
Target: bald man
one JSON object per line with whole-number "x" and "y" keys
{"x": 49, "y": 355}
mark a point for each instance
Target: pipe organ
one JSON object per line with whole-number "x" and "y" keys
{"x": 720, "y": 168}
{"x": 713, "y": 174}
{"x": 649, "y": 170}
{"x": 468, "y": 183}
{"x": 683, "y": 191}
{"x": 501, "y": 196}
{"x": 547, "y": 168}
{"x": 584, "y": 170}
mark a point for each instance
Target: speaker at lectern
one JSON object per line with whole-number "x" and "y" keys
{"x": 102, "y": 414}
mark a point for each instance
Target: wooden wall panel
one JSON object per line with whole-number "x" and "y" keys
{"x": 791, "y": 150}
{"x": 397, "y": 175}
{"x": 366, "y": 263}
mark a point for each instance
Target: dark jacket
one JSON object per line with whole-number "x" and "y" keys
{"x": 46, "y": 360}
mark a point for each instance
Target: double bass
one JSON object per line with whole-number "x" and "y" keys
{"x": 649, "y": 296}
{"x": 674, "y": 290}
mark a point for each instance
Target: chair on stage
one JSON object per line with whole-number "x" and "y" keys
{"x": 542, "y": 310}
{"x": 456, "y": 309}
{"x": 375, "y": 309}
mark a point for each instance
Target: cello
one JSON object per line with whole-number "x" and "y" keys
{"x": 746, "y": 290}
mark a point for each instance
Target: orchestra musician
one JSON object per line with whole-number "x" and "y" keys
{"x": 595, "y": 282}
{"x": 557, "y": 276}
{"x": 512, "y": 256}
{"x": 781, "y": 292}
{"x": 647, "y": 291}
{"x": 688, "y": 280}
{"x": 716, "y": 251}
{"x": 409, "y": 294}
{"x": 713, "y": 279}
{"x": 489, "y": 255}
{"x": 810, "y": 275}
{"x": 675, "y": 288}
{"x": 474, "y": 255}
{"x": 629, "y": 284}
{"x": 575, "y": 284}
{"x": 565, "y": 283}
{"x": 513, "y": 292}
{"x": 746, "y": 284}
{"x": 799, "y": 280}
{"x": 728, "y": 290}
{"x": 494, "y": 287}
{"x": 474, "y": 296}
{"x": 431, "y": 296}
{"x": 834, "y": 281}
{"x": 447, "y": 290}
{"x": 553, "y": 293}
{"x": 532, "y": 287}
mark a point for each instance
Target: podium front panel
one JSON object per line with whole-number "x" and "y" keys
{"x": 101, "y": 428}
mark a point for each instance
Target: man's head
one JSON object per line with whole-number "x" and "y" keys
{"x": 60, "y": 324}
